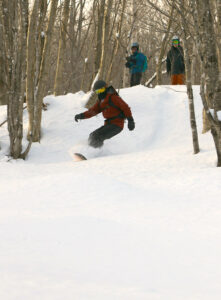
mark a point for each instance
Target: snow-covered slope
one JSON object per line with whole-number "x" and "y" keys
{"x": 141, "y": 219}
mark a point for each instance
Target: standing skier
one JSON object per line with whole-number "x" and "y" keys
{"x": 114, "y": 110}
{"x": 137, "y": 64}
{"x": 175, "y": 62}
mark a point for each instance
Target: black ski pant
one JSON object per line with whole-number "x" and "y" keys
{"x": 135, "y": 79}
{"x": 97, "y": 137}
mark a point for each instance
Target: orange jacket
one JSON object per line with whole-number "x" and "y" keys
{"x": 109, "y": 111}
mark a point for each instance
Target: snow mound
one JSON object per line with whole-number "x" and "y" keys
{"x": 139, "y": 220}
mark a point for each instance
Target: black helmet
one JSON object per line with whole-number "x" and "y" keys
{"x": 99, "y": 84}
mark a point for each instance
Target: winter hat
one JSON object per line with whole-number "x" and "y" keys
{"x": 135, "y": 44}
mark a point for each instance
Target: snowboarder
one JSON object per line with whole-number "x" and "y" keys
{"x": 137, "y": 64}
{"x": 175, "y": 62}
{"x": 114, "y": 110}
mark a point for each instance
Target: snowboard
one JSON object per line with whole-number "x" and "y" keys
{"x": 79, "y": 157}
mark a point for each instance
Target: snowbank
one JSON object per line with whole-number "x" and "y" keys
{"x": 140, "y": 220}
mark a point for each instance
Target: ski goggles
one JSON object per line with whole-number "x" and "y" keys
{"x": 176, "y": 42}
{"x": 102, "y": 90}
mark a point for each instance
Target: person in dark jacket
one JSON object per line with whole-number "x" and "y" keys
{"x": 114, "y": 110}
{"x": 137, "y": 64}
{"x": 175, "y": 62}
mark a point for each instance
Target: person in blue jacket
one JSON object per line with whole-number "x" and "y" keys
{"x": 137, "y": 64}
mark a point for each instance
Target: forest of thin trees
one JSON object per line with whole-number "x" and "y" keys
{"x": 60, "y": 46}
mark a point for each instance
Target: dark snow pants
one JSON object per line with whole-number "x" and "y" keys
{"x": 135, "y": 79}
{"x": 97, "y": 137}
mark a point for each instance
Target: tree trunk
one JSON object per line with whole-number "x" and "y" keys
{"x": 163, "y": 48}
{"x": 118, "y": 37}
{"x": 218, "y": 3}
{"x": 190, "y": 97}
{"x": 44, "y": 74}
{"x": 105, "y": 35}
{"x": 58, "y": 86}
{"x": 132, "y": 37}
{"x": 101, "y": 73}
{"x": 216, "y": 125}
{"x": 40, "y": 38}
{"x": 3, "y": 60}
{"x": 80, "y": 24}
{"x": 189, "y": 83}
{"x": 98, "y": 50}
{"x": 210, "y": 67}
{"x": 15, "y": 40}
{"x": 31, "y": 65}
{"x": 193, "y": 65}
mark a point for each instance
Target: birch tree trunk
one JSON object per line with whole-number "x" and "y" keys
{"x": 101, "y": 71}
{"x": 3, "y": 60}
{"x": 40, "y": 35}
{"x": 15, "y": 45}
{"x": 211, "y": 79}
{"x": 193, "y": 65}
{"x": 189, "y": 85}
{"x": 163, "y": 48}
{"x": 58, "y": 86}
{"x": 80, "y": 23}
{"x": 105, "y": 35}
{"x": 118, "y": 37}
{"x": 182, "y": 10}
{"x": 135, "y": 30}
{"x": 218, "y": 28}
{"x": 216, "y": 12}
{"x": 132, "y": 37}
{"x": 44, "y": 74}
{"x": 72, "y": 33}
{"x": 31, "y": 65}
{"x": 98, "y": 50}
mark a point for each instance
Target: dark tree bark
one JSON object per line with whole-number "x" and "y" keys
{"x": 14, "y": 40}
{"x": 211, "y": 79}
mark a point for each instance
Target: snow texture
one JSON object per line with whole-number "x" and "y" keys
{"x": 141, "y": 219}
{"x": 213, "y": 113}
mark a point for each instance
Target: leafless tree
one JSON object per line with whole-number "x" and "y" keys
{"x": 33, "y": 33}
{"x": 58, "y": 86}
{"x": 41, "y": 88}
{"x": 182, "y": 9}
{"x": 206, "y": 42}
{"x": 132, "y": 36}
{"x": 13, "y": 21}
{"x": 166, "y": 37}
{"x": 117, "y": 38}
{"x": 100, "y": 9}
{"x": 105, "y": 39}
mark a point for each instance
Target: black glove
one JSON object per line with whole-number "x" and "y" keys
{"x": 79, "y": 117}
{"x": 131, "y": 59}
{"x": 131, "y": 124}
{"x": 127, "y": 65}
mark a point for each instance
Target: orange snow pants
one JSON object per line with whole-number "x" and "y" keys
{"x": 177, "y": 79}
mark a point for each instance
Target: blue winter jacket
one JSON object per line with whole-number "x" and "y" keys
{"x": 140, "y": 65}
